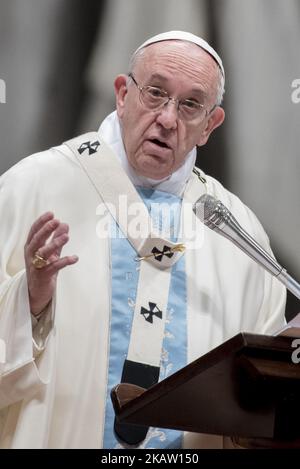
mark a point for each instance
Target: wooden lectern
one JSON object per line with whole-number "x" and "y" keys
{"x": 247, "y": 388}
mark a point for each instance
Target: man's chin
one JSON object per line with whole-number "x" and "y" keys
{"x": 156, "y": 173}
{"x": 154, "y": 167}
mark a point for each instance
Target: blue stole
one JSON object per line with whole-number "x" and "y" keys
{"x": 124, "y": 281}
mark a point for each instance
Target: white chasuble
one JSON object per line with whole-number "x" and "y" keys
{"x": 54, "y": 374}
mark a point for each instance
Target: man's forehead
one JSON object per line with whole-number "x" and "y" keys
{"x": 184, "y": 37}
{"x": 155, "y": 65}
{"x": 180, "y": 49}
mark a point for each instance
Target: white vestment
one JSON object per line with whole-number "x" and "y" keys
{"x": 53, "y": 380}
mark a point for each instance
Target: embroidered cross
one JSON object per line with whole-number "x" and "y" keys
{"x": 91, "y": 147}
{"x": 167, "y": 251}
{"x": 153, "y": 311}
{"x": 160, "y": 254}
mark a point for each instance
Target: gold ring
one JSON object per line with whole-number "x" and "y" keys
{"x": 38, "y": 261}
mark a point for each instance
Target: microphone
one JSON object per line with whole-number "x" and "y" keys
{"x": 219, "y": 219}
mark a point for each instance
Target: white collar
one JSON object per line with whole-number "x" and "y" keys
{"x": 110, "y": 131}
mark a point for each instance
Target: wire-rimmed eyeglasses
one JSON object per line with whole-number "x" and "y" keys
{"x": 154, "y": 98}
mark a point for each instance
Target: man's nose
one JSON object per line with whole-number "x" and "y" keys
{"x": 168, "y": 115}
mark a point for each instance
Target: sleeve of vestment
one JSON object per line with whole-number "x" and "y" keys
{"x": 271, "y": 316}
{"x": 25, "y": 361}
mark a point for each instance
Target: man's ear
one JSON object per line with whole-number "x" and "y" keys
{"x": 215, "y": 119}
{"x": 120, "y": 93}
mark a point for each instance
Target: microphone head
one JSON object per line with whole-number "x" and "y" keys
{"x": 211, "y": 212}
{"x": 205, "y": 206}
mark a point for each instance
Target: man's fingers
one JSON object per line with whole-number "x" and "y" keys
{"x": 40, "y": 237}
{"x": 59, "y": 264}
{"x": 37, "y": 225}
{"x": 61, "y": 229}
{"x": 54, "y": 247}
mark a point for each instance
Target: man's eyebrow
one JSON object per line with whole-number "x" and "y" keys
{"x": 200, "y": 93}
{"x": 158, "y": 76}
{"x": 195, "y": 91}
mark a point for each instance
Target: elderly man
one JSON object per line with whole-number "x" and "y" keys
{"x": 139, "y": 300}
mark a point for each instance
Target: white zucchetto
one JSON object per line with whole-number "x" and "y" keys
{"x": 184, "y": 36}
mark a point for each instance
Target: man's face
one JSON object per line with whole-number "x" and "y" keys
{"x": 158, "y": 141}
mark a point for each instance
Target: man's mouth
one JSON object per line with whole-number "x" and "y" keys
{"x": 158, "y": 142}
{"x": 157, "y": 148}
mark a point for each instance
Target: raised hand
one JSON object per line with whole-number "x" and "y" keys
{"x": 42, "y": 251}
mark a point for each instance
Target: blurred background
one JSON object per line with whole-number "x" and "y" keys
{"x": 58, "y": 60}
